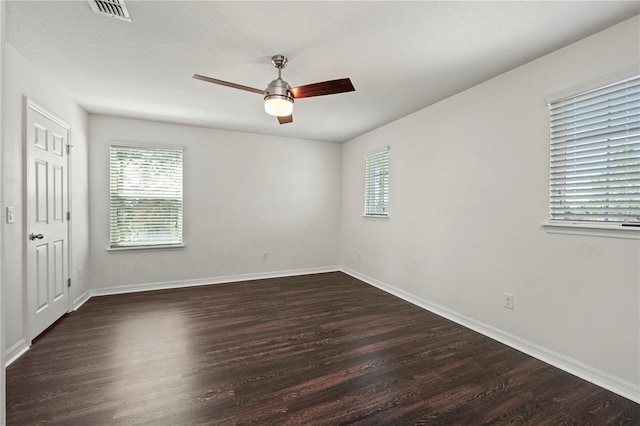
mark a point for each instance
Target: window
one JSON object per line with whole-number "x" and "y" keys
{"x": 376, "y": 189}
{"x": 146, "y": 197}
{"x": 595, "y": 154}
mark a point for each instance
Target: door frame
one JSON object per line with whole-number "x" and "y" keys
{"x": 29, "y": 104}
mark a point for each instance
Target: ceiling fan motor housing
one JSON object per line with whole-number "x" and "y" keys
{"x": 277, "y": 100}
{"x": 278, "y": 88}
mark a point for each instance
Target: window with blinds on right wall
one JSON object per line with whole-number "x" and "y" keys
{"x": 595, "y": 154}
{"x": 376, "y": 187}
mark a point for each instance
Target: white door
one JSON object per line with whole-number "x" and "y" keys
{"x": 47, "y": 224}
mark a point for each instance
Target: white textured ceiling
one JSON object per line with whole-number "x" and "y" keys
{"x": 400, "y": 56}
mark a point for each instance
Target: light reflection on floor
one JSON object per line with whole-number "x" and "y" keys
{"x": 145, "y": 377}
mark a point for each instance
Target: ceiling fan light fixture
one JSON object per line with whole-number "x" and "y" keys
{"x": 277, "y": 100}
{"x": 278, "y": 105}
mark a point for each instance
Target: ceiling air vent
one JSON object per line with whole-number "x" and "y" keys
{"x": 113, "y": 8}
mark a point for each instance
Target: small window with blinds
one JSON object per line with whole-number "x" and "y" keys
{"x": 146, "y": 197}
{"x": 595, "y": 154}
{"x": 376, "y": 188}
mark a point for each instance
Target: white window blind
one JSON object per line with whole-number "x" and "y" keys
{"x": 595, "y": 154}
{"x": 146, "y": 196}
{"x": 376, "y": 188}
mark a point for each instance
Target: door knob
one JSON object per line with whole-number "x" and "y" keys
{"x": 36, "y": 236}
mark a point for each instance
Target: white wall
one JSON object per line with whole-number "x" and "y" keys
{"x": 244, "y": 194}
{"x": 22, "y": 79}
{"x": 468, "y": 192}
{"x": 2, "y": 322}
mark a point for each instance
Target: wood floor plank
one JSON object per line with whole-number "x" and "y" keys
{"x": 316, "y": 349}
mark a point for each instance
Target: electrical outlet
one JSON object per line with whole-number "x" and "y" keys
{"x": 359, "y": 257}
{"x": 79, "y": 274}
{"x": 508, "y": 301}
{"x": 265, "y": 255}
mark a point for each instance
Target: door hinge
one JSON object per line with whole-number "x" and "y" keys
{"x": 68, "y": 215}
{"x": 68, "y": 282}
{"x": 69, "y": 148}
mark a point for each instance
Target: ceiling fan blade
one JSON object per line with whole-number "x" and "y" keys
{"x": 286, "y": 119}
{"x": 323, "y": 88}
{"x": 228, "y": 84}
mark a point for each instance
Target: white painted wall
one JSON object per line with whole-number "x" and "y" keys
{"x": 244, "y": 194}
{"x": 22, "y": 79}
{"x": 468, "y": 192}
{"x": 3, "y": 404}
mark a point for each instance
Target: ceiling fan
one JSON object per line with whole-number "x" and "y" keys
{"x": 279, "y": 96}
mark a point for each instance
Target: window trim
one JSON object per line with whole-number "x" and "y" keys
{"x": 147, "y": 248}
{"x": 595, "y": 83}
{"x": 144, "y": 247}
{"x": 629, "y": 230}
{"x": 377, "y": 217}
{"x": 592, "y": 229}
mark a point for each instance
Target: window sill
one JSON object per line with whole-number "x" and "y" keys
{"x": 593, "y": 229}
{"x": 376, "y": 218}
{"x": 146, "y": 248}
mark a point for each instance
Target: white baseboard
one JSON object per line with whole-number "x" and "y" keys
{"x": 615, "y": 384}
{"x": 21, "y": 347}
{"x": 586, "y": 372}
{"x": 15, "y": 351}
{"x": 84, "y": 297}
{"x": 208, "y": 281}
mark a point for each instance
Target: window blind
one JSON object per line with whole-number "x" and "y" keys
{"x": 377, "y": 184}
{"x": 595, "y": 154}
{"x": 146, "y": 196}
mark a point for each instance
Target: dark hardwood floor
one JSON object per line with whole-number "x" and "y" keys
{"x": 312, "y": 350}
